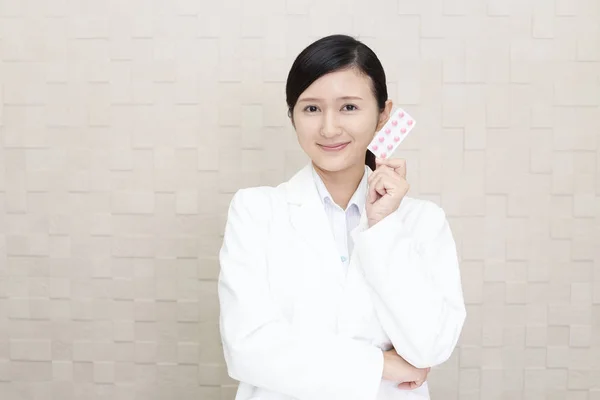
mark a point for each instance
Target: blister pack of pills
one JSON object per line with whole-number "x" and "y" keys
{"x": 396, "y": 129}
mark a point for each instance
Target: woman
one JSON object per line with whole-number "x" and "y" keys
{"x": 335, "y": 284}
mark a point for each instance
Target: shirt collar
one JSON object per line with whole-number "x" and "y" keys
{"x": 358, "y": 199}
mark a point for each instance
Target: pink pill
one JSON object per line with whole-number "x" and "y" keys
{"x": 382, "y": 155}
{"x": 381, "y": 139}
{"x": 401, "y": 114}
{"x": 394, "y": 122}
{"x": 410, "y": 122}
{"x": 388, "y": 131}
{"x": 403, "y": 130}
{"x": 374, "y": 147}
{"x": 390, "y": 146}
{"x": 397, "y": 139}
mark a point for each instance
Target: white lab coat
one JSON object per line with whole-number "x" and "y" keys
{"x": 296, "y": 324}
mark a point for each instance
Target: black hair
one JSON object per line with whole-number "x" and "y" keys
{"x": 333, "y": 53}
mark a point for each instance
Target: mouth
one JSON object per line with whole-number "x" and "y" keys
{"x": 334, "y": 147}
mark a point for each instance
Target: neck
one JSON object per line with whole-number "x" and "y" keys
{"x": 341, "y": 184}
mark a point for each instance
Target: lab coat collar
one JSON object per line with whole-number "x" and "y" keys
{"x": 358, "y": 198}
{"x": 301, "y": 188}
{"x": 308, "y": 215}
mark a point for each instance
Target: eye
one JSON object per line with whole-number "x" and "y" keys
{"x": 349, "y": 107}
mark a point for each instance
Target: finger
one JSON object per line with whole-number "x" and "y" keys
{"x": 420, "y": 382}
{"x": 380, "y": 186}
{"x": 390, "y": 162}
{"x": 385, "y": 182}
{"x": 410, "y": 385}
{"x": 380, "y": 161}
{"x": 372, "y": 176}
{"x": 372, "y": 196}
{"x": 400, "y": 168}
{"x": 376, "y": 189}
{"x": 377, "y": 172}
{"x": 386, "y": 163}
{"x": 388, "y": 182}
{"x": 388, "y": 172}
{"x": 397, "y": 164}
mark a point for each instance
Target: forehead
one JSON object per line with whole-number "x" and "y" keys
{"x": 347, "y": 82}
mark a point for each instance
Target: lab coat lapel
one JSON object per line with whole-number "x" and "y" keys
{"x": 363, "y": 223}
{"x": 309, "y": 219}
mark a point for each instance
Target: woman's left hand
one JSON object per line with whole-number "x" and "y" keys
{"x": 387, "y": 187}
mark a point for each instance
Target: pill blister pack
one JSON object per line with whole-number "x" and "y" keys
{"x": 396, "y": 129}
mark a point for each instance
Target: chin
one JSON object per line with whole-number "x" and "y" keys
{"x": 333, "y": 164}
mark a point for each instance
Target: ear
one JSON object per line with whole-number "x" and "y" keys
{"x": 291, "y": 117}
{"x": 384, "y": 116}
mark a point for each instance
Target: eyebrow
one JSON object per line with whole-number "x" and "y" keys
{"x": 339, "y": 98}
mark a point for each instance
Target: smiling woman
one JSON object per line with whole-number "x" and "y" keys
{"x": 327, "y": 119}
{"x": 335, "y": 284}
{"x": 355, "y": 88}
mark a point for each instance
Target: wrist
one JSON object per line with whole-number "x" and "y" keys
{"x": 386, "y": 366}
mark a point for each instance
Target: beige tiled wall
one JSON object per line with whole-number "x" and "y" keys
{"x": 126, "y": 126}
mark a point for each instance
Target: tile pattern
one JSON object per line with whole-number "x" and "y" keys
{"x": 126, "y": 126}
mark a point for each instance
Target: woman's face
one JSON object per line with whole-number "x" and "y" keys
{"x": 336, "y": 118}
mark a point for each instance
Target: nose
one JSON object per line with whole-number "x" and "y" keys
{"x": 330, "y": 125}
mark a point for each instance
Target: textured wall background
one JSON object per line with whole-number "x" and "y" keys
{"x": 126, "y": 126}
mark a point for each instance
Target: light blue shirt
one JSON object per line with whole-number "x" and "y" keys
{"x": 342, "y": 221}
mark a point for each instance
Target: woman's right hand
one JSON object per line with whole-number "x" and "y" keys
{"x": 396, "y": 369}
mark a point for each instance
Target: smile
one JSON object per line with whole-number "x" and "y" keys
{"x": 334, "y": 147}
